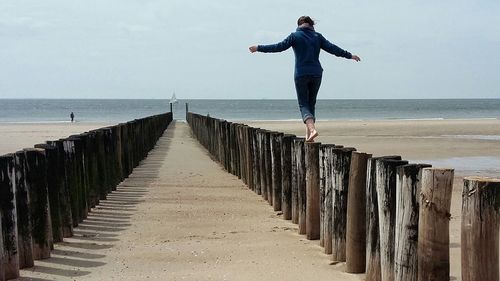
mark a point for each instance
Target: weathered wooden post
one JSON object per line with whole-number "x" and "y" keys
{"x": 262, "y": 159}
{"x": 341, "y": 163}
{"x": 8, "y": 218}
{"x": 82, "y": 181}
{"x": 408, "y": 185}
{"x": 232, "y": 147}
{"x": 118, "y": 150}
{"x": 25, "y": 241}
{"x": 276, "y": 170}
{"x": 256, "y": 161}
{"x": 72, "y": 176}
{"x": 100, "y": 152}
{"x": 294, "y": 189}
{"x": 301, "y": 185}
{"x": 242, "y": 153}
{"x": 64, "y": 197}
{"x": 2, "y": 255}
{"x": 36, "y": 181}
{"x": 433, "y": 224}
{"x": 356, "y": 214}
{"x": 286, "y": 174}
{"x": 54, "y": 184}
{"x": 480, "y": 224}
{"x": 322, "y": 182}
{"x": 249, "y": 156}
{"x": 386, "y": 171}
{"x": 109, "y": 153}
{"x": 328, "y": 197}
{"x": 373, "y": 270}
{"x": 92, "y": 168}
{"x": 312, "y": 190}
{"x": 268, "y": 165}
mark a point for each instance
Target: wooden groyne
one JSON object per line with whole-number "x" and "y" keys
{"x": 48, "y": 190}
{"x": 383, "y": 216}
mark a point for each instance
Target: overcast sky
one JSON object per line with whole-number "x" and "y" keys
{"x": 199, "y": 49}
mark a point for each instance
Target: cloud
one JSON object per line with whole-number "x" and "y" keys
{"x": 22, "y": 26}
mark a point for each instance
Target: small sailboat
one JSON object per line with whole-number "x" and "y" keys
{"x": 173, "y": 99}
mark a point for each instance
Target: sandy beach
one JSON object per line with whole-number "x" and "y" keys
{"x": 16, "y": 136}
{"x": 181, "y": 217}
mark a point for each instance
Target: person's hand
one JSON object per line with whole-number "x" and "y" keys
{"x": 356, "y": 58}
{"x": 253, "y": 49}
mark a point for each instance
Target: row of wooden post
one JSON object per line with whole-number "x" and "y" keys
{"x": 381, "y": 215}
{"x": 48, "y": 190}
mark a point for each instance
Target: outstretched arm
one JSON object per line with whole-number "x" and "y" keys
{"x": 274, "y": 48}
{"x": 337, "y": 51}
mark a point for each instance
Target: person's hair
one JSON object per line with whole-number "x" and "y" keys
{"x": 305, "y": 19}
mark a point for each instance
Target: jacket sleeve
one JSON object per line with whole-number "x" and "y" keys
{"x": 279, "y": 47}
{"x": 333, "y": 49}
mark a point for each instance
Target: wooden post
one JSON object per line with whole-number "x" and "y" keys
{"x": 8, "y": 225}
{"x": 2, "y": 255}
{"x": 64, "y": 197}
{"x": 256, "y": 161}
{"x": 118, "y": 151}
{"x": 286, "y": 173}
{"x": 294, "y": 191}
{"x": 340, "y": 166}
{"x": 171, "y": 107}
{"x": 373, "y": 270}
{"x": 408, "y": 185}
{"x": 25, "y": 243}
{"x": 92, "y": 168}
{"x": 249, "y": 156}
{"x": 356, "y": 214}
{"x": 322, "y": 181}
{"x": 328, "y": 197}
{"x": 80, "y": 182}
{"x": 100, "y": 153}
{"x": 268, "y": 169}
{"x": 296, "y": 149}
{"x": 276, "y": 170}
{"x": 36, "y": 180}
{"x": 480, "y": 224}
{"x": 433, "y": 225}
{"x": 312, "y": 190}
{"x": 72, "y": 179}
{"x": 262, "y": 159}
{"x": 386, "y": 171}
{"x": 301, "y": 186}
{"x": 54, "y": 184}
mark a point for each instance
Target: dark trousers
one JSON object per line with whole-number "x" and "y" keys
{"x": 307, "y": 88}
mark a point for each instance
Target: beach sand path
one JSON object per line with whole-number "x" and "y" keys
{"x": 180, "y": 216}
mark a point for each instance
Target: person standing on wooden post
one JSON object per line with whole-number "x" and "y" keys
{"x": 306, "y": 44}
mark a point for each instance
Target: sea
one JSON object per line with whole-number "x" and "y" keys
{"x": 122, "y": 110}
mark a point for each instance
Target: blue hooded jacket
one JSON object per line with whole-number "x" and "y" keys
{"x": 306, "y": 44}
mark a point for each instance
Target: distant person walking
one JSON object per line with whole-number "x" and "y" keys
{"x": 72, "y": 116}
{"x": 306, "y": 44}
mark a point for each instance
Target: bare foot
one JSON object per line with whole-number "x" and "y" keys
{"x": 312, "y": 136}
